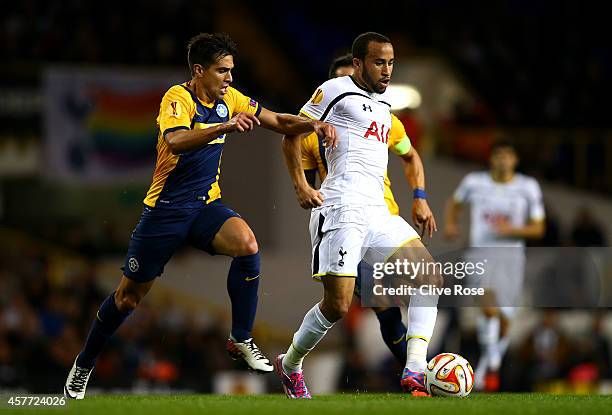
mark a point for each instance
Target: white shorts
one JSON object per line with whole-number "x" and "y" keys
{"x": 343, "y": 235}
{"x": 504, "y": 275}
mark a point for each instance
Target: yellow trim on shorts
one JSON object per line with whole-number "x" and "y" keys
{"x": 317, "y": 277}
{"x": 407, "y": 241}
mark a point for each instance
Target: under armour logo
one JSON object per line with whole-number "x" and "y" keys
{"x": 342, "y": 253}
{"x": 367, "y": 107}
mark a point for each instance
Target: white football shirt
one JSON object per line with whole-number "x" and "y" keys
{"x": 356, "y": 167}
{"x": 517, "y": 202}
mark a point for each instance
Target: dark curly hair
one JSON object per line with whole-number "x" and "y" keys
{"x": 206, "y": 48}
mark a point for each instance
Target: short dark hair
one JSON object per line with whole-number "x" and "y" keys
{"x": 361, "y": 42}
{"x": 340, "y": 62}
{"x": 206, "y": 48}
{"x": 503, "y": 142}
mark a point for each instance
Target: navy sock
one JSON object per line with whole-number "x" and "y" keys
{"x": 393, "y": 332}
{"x": 242, "y": 285}
{"x": 107, "y": 321}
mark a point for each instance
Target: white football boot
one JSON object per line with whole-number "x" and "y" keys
{"x": 76, "y": 383}
{"x": 250, "y": 353}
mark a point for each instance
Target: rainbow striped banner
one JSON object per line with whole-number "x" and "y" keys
{"x": 100, "y": 123}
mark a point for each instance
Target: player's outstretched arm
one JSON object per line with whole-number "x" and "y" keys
{"x": 415, "y": 174}
{"x": 307, "y": 196}
{"x": 292, "y": 125}
{"x": 183, "y": 141}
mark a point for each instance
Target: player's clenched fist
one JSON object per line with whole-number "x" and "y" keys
{"x": 327, "y": 133}
{"x": 242, "y": 122}
{"x": 308, "y": 197}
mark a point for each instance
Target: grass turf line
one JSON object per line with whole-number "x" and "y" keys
{"x": 354, "y": 404}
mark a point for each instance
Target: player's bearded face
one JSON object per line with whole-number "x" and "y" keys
{"x": 378, "y": 66}
{"x": 216, "y": 78}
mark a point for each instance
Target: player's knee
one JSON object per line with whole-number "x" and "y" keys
{"x": 341, "y": 308}
{"x": 335, "y": 308}
{"x": 246, "y": 245}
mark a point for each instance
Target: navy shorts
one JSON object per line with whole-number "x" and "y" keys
{"x": 364, "y": 278}
{"x": 161, "y": 231}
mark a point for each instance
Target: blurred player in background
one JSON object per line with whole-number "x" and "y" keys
{"x": 350, "y": 215}
{"x": 183, "y": 204}
{"x": 313, "y": 160}
{"x": 506, "y": 209}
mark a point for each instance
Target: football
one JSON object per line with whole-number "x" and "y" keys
{"x": 449, "y": 374}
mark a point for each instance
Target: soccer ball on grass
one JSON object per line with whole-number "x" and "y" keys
{"x": 449, "y": 374}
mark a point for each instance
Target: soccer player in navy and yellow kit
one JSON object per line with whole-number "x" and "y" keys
{"x": 313, "y": 161}
{"x": 183, "y": 204}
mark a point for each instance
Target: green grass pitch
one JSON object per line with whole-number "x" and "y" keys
{"x": 353, "y": 404}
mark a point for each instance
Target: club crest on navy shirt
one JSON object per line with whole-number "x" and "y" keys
{"x": 222, "y": 110}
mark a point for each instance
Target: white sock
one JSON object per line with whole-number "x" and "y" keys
{"x": 481, "y": 371}
{"x": 503, "y": 345}
{"x": 497, "y": 355}
{"x": 488, "y": 330}
{"x": 494, "y": 358}
{"x": 422, "y": 312}
{"x": 312, "y": 330}
{"x": 416, "y": 354}
{"x": 488, "y": 338}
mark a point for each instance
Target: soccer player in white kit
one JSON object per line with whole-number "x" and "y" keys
{"x": 506, "y": 209}
{"x": 350, "y": 219}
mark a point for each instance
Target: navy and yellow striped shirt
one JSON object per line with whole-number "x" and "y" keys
{"x": 191, "y": 179}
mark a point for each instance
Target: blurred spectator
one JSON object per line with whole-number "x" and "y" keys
{"x": 46, "y": 302}
{"x": 590, "y": 358}
{"x": 9, "y": 370}
{"x": 553, "y": 73}
{"x": 544, "y": 354}
{"x": 586, "y": 230}
{"x": 593, "y": 348}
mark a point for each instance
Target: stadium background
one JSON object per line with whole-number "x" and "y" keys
{"x": 79, "y": 92}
